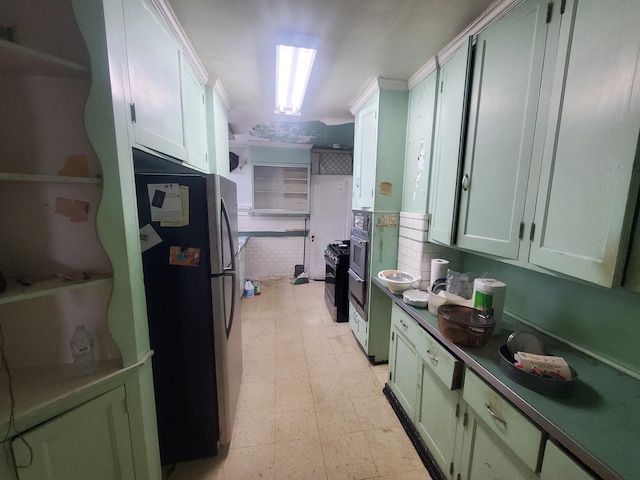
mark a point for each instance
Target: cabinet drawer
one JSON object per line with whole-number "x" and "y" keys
{"x": 405, "y": 324}
{"x": 522, "y": 436}
{"x": 446, "y": 367}
{"x": 557, "y": 465}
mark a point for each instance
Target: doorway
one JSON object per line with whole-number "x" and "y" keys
{"x": 329, "y": 219}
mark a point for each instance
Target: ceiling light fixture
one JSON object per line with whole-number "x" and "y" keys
{"x": 295, "y": 54}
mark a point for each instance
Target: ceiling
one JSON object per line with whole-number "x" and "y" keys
{"x": 359, "y": 41}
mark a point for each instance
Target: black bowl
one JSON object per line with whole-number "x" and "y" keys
{"x": 546, "y": 386}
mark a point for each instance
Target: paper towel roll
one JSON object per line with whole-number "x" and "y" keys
{"x": 439, "y": 267}
{"x": 492, "y": 291}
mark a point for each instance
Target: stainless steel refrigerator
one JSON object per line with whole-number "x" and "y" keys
{"x": 189, "y": 238}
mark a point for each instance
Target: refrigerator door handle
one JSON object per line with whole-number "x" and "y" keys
{"x": 225, "y": 215}
{"x": 234, "y": 289}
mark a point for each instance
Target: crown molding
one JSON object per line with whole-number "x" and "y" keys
{"x": 167, "y": 14}
{"x": 222, "y": 94}
{"x": 428, "y": 68}
{"x": 494, "y": 11}
{"x": 378, "y": 84}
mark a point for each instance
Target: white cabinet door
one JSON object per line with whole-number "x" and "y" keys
{"x": 194, "y": 118}
{"x": 590, "y": 145}
{"x": 507, "y": 74}
{"x": 154, "y": 74}
{"x": 447, "y": 156}
{"x": 364, "y": 156}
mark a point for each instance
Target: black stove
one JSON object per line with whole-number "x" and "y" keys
{"x": 336, "y": 288}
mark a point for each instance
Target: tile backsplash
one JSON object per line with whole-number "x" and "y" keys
{"x": 415, "y": 252}
{"x": 271, "y": 257}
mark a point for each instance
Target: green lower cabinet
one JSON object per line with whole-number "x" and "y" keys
{"x": 557, "y": 465}
{"x": 486, "y": 457}
{"x": 89, "y": 442}
{"x": 497, "y": 440}
{"x": 359, "y": 327}
{"x": 436, "y": 416}
{"x": 403, "y": 367}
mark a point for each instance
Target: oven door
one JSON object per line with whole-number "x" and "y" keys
{"x": 330, "y": 281}
{"x": 358, "y": 256}
{"x": 358, "y": 293}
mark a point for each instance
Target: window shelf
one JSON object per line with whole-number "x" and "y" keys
{"x": 16, "y": 58}
{"x": 281, "y": 189}
{"x": 42, "y": 286}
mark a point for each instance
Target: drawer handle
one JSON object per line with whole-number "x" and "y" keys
{"x": 494, "y": 415}
{"x": 404, "y": 325}
{"x": 432, "y": 357}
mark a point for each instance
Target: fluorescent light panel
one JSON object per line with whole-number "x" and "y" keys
{"x": 293, "y": 68}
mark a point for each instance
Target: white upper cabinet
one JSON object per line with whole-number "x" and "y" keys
{"x": 364, "y": 156}
{"x": 379, "y": 146}
{"x": 154, "y": 74}
{"x": 506, "y": 81}
{"x": 586, "y": 181}
{"x": 195, "y": 120}
{"x": 448, "y": 141}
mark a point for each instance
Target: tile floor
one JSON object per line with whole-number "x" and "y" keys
{"x": 311, "y": 406}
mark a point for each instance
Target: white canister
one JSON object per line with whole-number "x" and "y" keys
{"x": 489, "y": 294}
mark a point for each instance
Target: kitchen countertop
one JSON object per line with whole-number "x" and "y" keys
{"x": 599, "y": 422}
{"x": 242, "y": 242}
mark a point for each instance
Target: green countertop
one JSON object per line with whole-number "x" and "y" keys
{"x": 599, "y": 422}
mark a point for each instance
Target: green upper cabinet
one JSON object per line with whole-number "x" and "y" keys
{"x": 194, "y": 118}
{"x": 379, "y": 146}
{"x": 154, "y": 60}
{"x": 453, "y": 85}
{"x": 548, "y": 176}
{"x": 585, "y": 197}
{"x": 422, "y": 103}
{"x": 506, "y": 80}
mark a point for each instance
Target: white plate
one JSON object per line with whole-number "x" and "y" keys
{"x": 416, "y": 298}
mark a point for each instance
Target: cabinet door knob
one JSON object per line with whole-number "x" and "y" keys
{"x": 465, "y": 182}
{"x": 358, "y": 182}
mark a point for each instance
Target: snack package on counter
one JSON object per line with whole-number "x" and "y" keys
{"x": 461, "y": 284}
{"x": 544, "y": 365}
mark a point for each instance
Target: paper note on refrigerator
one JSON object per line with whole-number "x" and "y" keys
{"x": 165, "y": 201}
{"x": 184, "y": 221}
{"x": 148, "y": 237}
